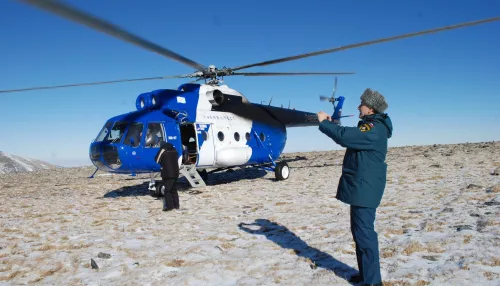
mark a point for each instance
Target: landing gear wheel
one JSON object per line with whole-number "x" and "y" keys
{"x": 157, "y": 192}
{"x": 282, "y": 171}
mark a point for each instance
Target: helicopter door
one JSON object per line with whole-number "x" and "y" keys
{"x": 155, "y": 135}
{"x": 206, "y": 148}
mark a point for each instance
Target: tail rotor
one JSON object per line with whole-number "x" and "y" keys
{"x": 337, "y": 104}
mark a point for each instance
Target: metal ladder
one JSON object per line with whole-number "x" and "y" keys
{"x": 192, "y": 175}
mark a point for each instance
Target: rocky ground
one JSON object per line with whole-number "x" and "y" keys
{"x": 438, "y": 224}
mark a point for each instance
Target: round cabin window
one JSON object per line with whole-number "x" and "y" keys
{"x": 262, "y": 137}
{"x": 247, "y": 136}
{"x": 236, "y": 136}
{"x": 220, "y": 135}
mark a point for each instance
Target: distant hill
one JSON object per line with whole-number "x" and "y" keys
{"x": 16, "y": 164}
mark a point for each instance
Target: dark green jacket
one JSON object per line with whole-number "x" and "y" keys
{"x": 364, "y": 169}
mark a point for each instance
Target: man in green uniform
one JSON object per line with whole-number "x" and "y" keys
{"x": 363, "y": 177}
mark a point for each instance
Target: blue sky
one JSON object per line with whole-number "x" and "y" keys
{"x": 441, "y": 88}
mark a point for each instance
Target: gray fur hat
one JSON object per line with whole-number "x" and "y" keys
{"x": 374, "y": 100}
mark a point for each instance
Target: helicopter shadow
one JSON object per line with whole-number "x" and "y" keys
{"x": 283, "y": 237}
{"x": 234, "y": 175}
{"x": 214, "y": 179}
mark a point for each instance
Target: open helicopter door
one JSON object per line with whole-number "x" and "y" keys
{"x": 206, "y": 147}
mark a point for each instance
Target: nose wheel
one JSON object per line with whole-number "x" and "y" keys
{"x": 281, "y": 171}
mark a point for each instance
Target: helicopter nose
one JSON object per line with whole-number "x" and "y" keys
{"x": 105, "y": 156}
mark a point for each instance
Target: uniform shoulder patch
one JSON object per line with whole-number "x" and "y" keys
{"x": 366, "y": 127}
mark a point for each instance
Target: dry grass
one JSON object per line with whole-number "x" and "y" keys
{"x": 175, "y": 263}
{"x": 45, "y": 247}
{"x": 394, "y": 231}
{"x": 389, "y": 204}
{"x": 495, "y": 261}
{"x": 397, "y": 283}
{"x": 430, "y": 227}
{"x": 350, "y": 252}
{"x": 51, "y": 271}
{"x": 388, "y": 252}
{"x": 467, "y": 238}
{"x": 11, "y": 275}
{"x": 412, "y": 247}
{"x": 282, "y": 203}
{"x": 490, "y": 275}
{"x": 227, "y": 245}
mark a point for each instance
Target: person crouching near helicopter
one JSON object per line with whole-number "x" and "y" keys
{"x": 167, "y": 158}
{"x": 363, "y": 178}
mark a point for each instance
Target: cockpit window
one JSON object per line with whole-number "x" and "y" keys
{"x": 104, "y": 132}
{"x": 154, "y": 135}
{"x": 134, "y": 134}
{"x": 111, "y": 134}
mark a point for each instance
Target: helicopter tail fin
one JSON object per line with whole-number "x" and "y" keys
{"x": 337, "y": 112}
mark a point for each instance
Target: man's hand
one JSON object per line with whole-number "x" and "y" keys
{"x": 322, "y": 116}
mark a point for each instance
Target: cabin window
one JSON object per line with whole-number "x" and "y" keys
{"x": 204, "y": 135}
{"x": 247, "y": 136}
{"x": 262, "y": 137}
{"x": 134, "y": 134}
{"x": 154, "y": 135}
{"x": 236, "y": 136}
{"x": 220, "y": 135}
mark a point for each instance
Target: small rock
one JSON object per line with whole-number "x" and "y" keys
{"x": 494, "y": 189}
{"x": 463, "y": 227}
{"x": 104, "y": 255}
{"x": 448, "y": 210}
{"x": 93, "y": 264}
{"x": 473, "y": 186}
{"x": 475, "y": 215}
{"x": 430, "y": 257}
{"x": 492, "y": 203}
{"x": 415, "y": 212}
{"x": 496, "y": 172}
{"x": 435, "y": 166}
{"x": 481, "y": 224}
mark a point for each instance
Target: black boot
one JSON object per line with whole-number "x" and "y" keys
{"x": 175, "y": 197}
{"x": 356, "y": 278}
{"x": 168, "y": 201}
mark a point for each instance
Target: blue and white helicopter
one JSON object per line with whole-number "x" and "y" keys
{"x": 212, "y": 126}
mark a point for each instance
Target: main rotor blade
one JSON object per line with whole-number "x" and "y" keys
{"x": 81, "y": 17}
{"x": 91, "y": 83}
{"x": 281, "y": 60}
{"x": 287, "y": 73}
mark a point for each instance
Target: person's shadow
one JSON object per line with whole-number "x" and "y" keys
{"x": 288, "y": 240}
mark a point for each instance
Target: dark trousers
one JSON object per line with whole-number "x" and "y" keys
{"x": 170, "y": 194}
{"x": 366, "y": 240}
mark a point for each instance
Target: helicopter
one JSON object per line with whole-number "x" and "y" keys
{"x": 212, "y": 126}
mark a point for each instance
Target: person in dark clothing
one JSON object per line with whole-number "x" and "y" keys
{"x": 167, "y": 157}
{"x": 363, "y": 178}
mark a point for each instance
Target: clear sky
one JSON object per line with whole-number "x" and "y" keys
{"x": 441, "y": 88}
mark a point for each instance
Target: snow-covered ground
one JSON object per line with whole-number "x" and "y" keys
{"x": 438, "y": 224}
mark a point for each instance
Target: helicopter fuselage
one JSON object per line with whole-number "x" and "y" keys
{"x": 210, "y": 126}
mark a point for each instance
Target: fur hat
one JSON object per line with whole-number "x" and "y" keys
{"x": 374, "y": 100}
